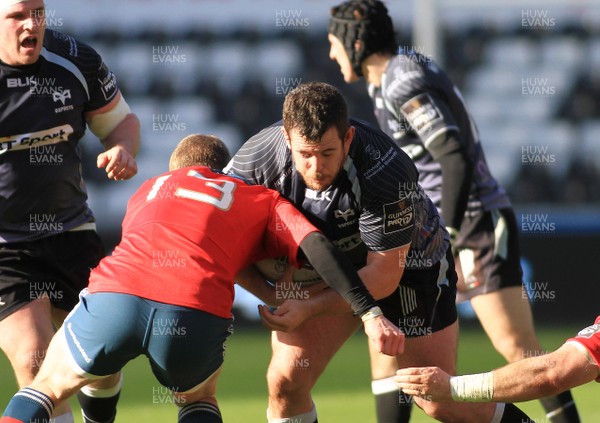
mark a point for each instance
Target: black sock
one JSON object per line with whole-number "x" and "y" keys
{"x": 98, "y": 409}
{"x": 200, "y": 412}
{"x": 512, "y": 414}
{"x": 561, "y": 408}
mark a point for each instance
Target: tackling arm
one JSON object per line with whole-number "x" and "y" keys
{"x": 524, "y": 380}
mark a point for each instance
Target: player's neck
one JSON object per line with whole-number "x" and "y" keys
{"x": 374, "y": 67}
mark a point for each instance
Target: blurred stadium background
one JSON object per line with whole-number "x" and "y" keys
{"x": 529, "y": 70}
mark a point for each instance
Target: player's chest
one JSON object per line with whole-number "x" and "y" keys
{"x": 43, "y": 100}
{"x": 335, "y": 211}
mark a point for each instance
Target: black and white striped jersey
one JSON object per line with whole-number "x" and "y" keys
{"x": 374, "y": 204}
{"x": 415, "y": 104}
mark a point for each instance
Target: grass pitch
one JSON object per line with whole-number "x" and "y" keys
{"x": 342, "y": 394}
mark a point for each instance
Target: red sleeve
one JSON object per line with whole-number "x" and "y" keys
{"x": 589, "y": 338}
{"x": 286, "y": 229}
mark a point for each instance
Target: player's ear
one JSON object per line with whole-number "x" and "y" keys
{"x": 348, "y": 137}
{"x": 287, "y": 137}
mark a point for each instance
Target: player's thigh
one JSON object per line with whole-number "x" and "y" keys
{"x": 489, "y": 253}
{"x": 507, "y": 319}
{"x": 424, "y": 308}
{"x": 206, "y": 391}
{"x": 438, "y": 349}
{"x": 57, "y": 377}
{"x": 302, "y": 355}
{"x": 26, "y": 334}
{"x": 186, "y": 346}
{"x": 104, "y": 331}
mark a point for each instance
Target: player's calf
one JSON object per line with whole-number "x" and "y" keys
{"x": 200, "y": 412}
{"x": 99, "y": 405}
{"x": 28, "y": 405}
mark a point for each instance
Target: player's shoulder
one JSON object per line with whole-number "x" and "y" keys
{"x": 69, "y": 48}
{"x": 366, "y": 135}
{"x": 264, "y": 158}
{"x": 376, "y": 155}
{"x": 407, "y": 72}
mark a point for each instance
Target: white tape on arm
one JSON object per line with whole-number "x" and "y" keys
{"x": 103, "y": 124}
{"x": 477, "y": 388}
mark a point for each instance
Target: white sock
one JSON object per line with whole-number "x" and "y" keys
{"x": 63, "y": 418}
{"x": 309, "y": 417}
{"x": 383, "y": 386}
{"x": 498, "y": 414}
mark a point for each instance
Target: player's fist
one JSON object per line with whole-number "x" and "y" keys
{"x": 118, "y": 162}
{"x": 385, "y": 336}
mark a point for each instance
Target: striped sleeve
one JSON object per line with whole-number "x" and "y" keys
{"x": 263, "y": 159}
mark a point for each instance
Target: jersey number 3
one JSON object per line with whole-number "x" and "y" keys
{"x": 222, "y": 202}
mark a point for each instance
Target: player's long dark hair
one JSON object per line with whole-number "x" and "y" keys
{"x": 313, "y": 108}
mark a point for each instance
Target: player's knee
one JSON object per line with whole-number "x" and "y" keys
{"x": 282, "y": 387}
{"x": 514, "y": 348}
{"x": 26, "y": 361}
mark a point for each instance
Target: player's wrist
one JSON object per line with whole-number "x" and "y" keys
{"x": 371, "y": 313}
{"x": 477, "y": 387}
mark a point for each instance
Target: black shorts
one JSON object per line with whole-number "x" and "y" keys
{"x": 425, "y": 301}
{"x": 56, "y": 267}
{"x": 489, "y": 255}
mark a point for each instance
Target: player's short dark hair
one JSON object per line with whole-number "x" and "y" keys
{"x": 367, "y": 21}
{"x": 200, "y": 150}
{"x": 313, "y": 108}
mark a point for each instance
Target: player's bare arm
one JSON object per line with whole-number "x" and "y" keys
{"x": 119, "y": 132}
{"x": 380, "y": 275}
{"x": 254, "y": 283}
{"x": 524, "y": 380}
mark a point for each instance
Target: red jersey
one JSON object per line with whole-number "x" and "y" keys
{"x": 187, "y": 233}
{"x": 590, "y": 339}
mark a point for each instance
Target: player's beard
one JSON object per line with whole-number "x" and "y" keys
{"x": 323, "y": 184}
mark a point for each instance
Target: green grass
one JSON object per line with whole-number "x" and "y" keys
{"x": 342, "y": 394}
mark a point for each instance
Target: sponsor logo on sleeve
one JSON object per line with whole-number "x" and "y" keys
{"x": 397, "y": 216}
{"x": 108, "y": 82}
{"x": 421, "y": 112}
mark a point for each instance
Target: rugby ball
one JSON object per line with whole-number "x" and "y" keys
{"x": 273, "y": 269}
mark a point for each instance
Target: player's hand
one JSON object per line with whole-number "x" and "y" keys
{"x": 287, "y": 317}
{"x": 118, "y": 162}
{"x": 385, "y": 336}
{"x": 429, "y": 383}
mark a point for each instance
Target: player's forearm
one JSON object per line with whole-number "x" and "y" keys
{"x": 337, "y": 271}
{"x": 457, "y": 176}
{"x": 251, "y": 281}
{"x": 543, "y": 376}
{"x": 524, "y": 380}
{"x": 126, "y": 135}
